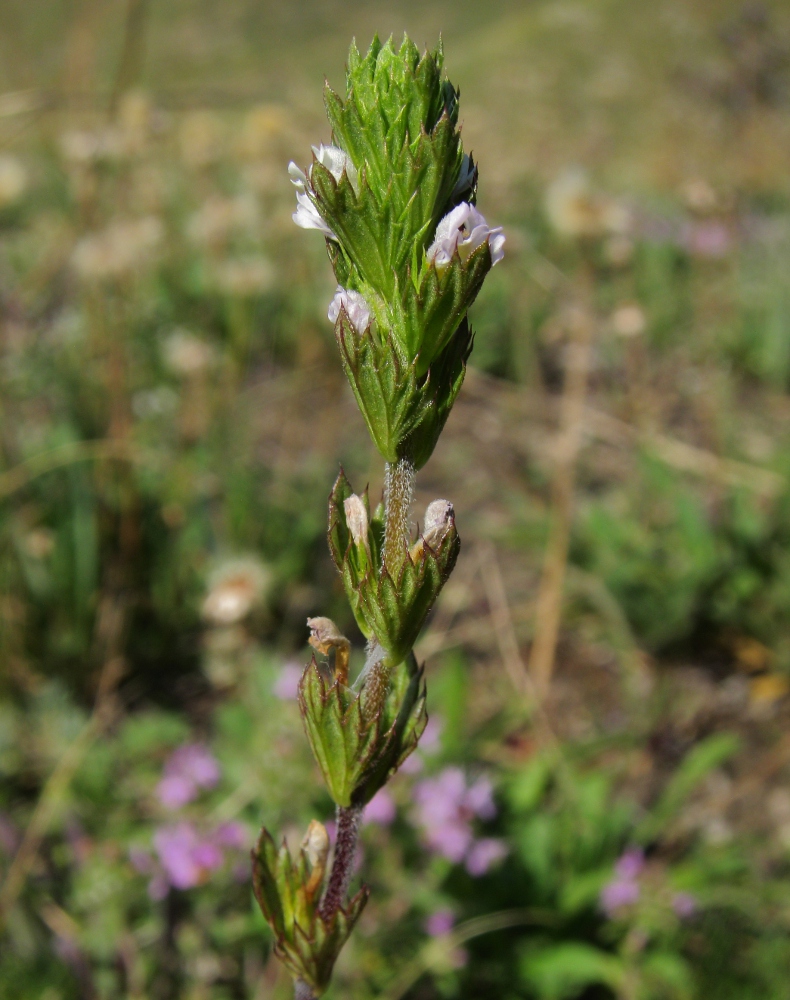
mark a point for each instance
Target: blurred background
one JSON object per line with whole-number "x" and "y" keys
{"x": 600, "y": 807}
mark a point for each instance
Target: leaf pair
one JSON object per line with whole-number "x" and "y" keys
{"x": 306, "y": 941}
{"x": 360, "y": 738}
{"x": 390, "y": 606}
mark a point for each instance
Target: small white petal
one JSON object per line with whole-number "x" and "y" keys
{"x": 298, "y": 177}
{"x": 308, "y": 217}
{"x": 354, "y": 305}
{"x": 337, "y": 161}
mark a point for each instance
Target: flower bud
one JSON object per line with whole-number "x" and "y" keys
{"x": 356, "y": 519}
{"x": 315, "y": 845}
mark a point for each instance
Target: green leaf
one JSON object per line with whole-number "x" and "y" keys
{"x": 564, "y": 971}
{"x": 698, "y": 762}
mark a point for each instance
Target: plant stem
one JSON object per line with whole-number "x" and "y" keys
{"x": 348, "y": 818}
{"x": 398, "y": 495}
{"x": 303, "y": 991}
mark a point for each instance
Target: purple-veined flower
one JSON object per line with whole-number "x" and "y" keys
{"x": 354, "y": 305}
{"x": 464, "y": 229}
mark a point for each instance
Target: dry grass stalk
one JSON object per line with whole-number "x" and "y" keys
{"x": 549, "y": 603}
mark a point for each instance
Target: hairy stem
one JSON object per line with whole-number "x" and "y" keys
{"x": 348, "y": 818}
{"x": 398, "y": 495}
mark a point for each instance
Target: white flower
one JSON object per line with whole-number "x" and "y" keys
{"x": 187, "y": 355}
{"x": 235, "y": 587}
{"x": 306, "y": 214}
{"x": 337, "y": 163}
{"x": 355, "y": 306}
{"x": 464, "y": 229}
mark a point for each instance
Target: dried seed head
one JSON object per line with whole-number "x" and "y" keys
{"x": 439, "y": 518}
{"x": 357, "y": 519}
{"x": 325, "y": 636}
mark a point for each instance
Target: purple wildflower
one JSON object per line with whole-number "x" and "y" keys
{"x": 381, "y": 809}
{"x": 709, "y": 239}
{"x": 189, "y": 768}
{"x": 412, "y": 765}
{"x": 684, "y": 905}
{"x": 446, "y": 807}
{"x": 286, "y": 686}
{"x": 479, "y": 799}
{"x": 440, "y": 922}
{"x": 484, "y": 853}
{"x": 619, "y": 893}
{"x": 431, "y": 736}
{"x": 175, "y": 846}
{"x": 231, "y": 835}
{"x": 186, "y": 856}
{"x": 630, "y": 864}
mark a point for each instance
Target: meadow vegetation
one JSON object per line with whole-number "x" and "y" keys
{"x": 600, "y": 805}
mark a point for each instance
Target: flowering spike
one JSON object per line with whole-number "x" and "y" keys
{"x": 394, "y": 196}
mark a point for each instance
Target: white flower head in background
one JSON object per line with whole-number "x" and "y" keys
{"x": 576, "y": 210}
{"x": 187, "y": 355}
{"x": 117, "y": 250}
{"x": 355, "y": 306}
{"x": 13, "y": 180}
{"x": 464, "y": 229}
{"x": 235, "y": 587}
{"x": 337, "y": 163}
